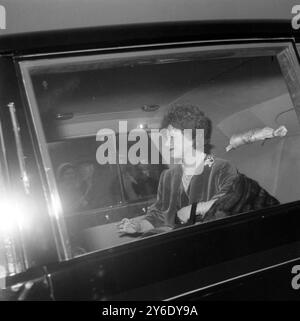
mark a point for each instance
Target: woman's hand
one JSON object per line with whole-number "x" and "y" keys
{"x": 128, "y": 226}
{"x": 202, "y": 208}
{"x": 134, "y": 225}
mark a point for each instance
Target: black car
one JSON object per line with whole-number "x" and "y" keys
{"x": 63, "y": 91}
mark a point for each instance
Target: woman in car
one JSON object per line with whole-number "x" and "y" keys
{"x": 200, "y": 187}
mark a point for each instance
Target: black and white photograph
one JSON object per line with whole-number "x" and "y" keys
{"x": 149, "y": 151}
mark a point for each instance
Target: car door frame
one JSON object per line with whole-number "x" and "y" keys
{"x": 98, "y": 265}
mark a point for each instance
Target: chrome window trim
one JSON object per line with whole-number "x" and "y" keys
{"x": 3, "y": 162}
{"x": 53, "y": 201}
{"x": 144, "y": 53}
{"x": 155, "y": 45}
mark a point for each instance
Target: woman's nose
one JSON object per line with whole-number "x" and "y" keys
{"x": 169, "y": 142}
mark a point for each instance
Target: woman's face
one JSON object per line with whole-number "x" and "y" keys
{"x": 178, "y": 143}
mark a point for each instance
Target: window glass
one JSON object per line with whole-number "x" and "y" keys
{"x": 141, "y": 180}
{"x": 98, "y": 108}
{"x": 83, "y": 184}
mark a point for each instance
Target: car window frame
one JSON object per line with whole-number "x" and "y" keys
{"x": 287, "y": 43}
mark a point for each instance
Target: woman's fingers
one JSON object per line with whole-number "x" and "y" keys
{"x": 126, "y": 226}
{"x": 124, "y": 221}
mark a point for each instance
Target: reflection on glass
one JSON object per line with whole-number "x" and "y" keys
{"x": 83, "y": 183}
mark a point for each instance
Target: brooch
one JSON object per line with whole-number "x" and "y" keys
{"x": 209, "y": 160}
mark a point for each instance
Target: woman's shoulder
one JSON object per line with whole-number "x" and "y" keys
{"x": 223, "y": 164}
{"x": 221, "y": 161}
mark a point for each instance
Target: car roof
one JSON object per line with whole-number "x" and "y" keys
{"x": 141, "y": 34}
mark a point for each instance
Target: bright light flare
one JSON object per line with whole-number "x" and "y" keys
{"x": 12, "y": 214}
{"x": 56, "y": 206}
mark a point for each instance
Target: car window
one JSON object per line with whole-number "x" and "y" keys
{"x": 95, "y": 116}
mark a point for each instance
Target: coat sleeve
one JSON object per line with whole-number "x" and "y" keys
{"x": 226, "y": 180}
{"x": 236, "y": 194}
{"x": 226, "y": 176}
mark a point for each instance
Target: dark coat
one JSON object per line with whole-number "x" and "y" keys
{"x": 235, "y": 193}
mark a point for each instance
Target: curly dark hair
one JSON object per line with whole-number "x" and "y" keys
{"x": 189, "y": 116}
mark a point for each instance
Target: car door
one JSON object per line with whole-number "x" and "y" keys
{"x": 250, "y": 81}
{"x": 71, "y": 95}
